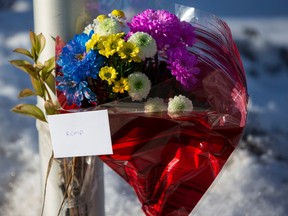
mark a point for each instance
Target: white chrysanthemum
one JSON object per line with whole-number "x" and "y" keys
{"x": 99, "y": 19}
{"x": 88, "y": 29}
{"x": 146, "y": 44}
{"x": 139, "y": 86}
{"x": 155, "y": 105}
{"x": 179, "y": 104}
{"x": 108, "y": 26}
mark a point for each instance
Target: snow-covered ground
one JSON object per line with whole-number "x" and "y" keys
{"x": 255, "y": 180}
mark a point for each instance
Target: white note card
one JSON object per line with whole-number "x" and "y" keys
{"x": 80, "y": 134}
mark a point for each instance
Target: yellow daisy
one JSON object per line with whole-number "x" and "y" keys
{"x": 90, "y": 44}
{"x": 108, "y": 73}
{"x": 121, "y": 85}
{"x": 129, "y": 51}
{"x": 109, "y": 45}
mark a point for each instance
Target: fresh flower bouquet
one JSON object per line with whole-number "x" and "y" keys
{"x": 175, "y": 90}
{"x": 105, "y": 64}
{"x": 176, "y": 95}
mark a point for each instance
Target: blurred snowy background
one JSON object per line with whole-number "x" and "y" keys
{"x": 253, "y": 183}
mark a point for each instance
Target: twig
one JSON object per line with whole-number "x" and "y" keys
{"x": 50, "y": 163}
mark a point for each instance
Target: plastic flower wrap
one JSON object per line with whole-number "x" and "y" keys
{"x": 176, "y": 94}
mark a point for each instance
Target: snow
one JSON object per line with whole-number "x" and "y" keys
{"x": 253, "y": 182}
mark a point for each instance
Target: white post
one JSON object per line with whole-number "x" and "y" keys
{"x": 63, "y": 18}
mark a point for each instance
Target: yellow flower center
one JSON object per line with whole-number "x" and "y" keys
{"x": 79, "y": 56}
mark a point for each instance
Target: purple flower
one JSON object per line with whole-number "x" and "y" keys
{"x": 162, "y": 25}
{"x": 182, "y": 65}
{"x": 187, "y": 33}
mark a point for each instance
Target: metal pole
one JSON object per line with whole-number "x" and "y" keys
{"x": 63, "y": 18}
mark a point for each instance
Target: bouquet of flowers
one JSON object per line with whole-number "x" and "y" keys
{"x": 176, "y": 94}
{"x": 105, "y": 64}
{"x": 175, "y": 90}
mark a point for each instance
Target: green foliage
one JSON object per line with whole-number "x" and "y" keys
{"x": 41, "y": 76}
{"x": 38, "y": 43}
{"x": 26, "y": 67}
{"x": 50, "y": 108}
{"x": 26, "y": 93}
{"x": 29, "y": 110}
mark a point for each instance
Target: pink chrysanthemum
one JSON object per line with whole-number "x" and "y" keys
{"x": 160, "y": 24}
{"x": 182, "y": 65}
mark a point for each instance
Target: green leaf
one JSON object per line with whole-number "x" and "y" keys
{"x": 26, "y": 93}
{"x": 33, "y": 39}
{"x": 24, "y": 52}
{"x": 48, "y": 68}
{"x": 53, "y": 38}
{"x": 41, "y": 42}
{"x": 19, "y": 63}
{"x": 25, "y": 66}
{"x": 39, "y": 67}
{"x": 50, "y": 108}
{"x": 29, "y": 110}
{"x": 38, "y": 43}
{"x": 50, "y": 81}
{"x": 37, "y": 85}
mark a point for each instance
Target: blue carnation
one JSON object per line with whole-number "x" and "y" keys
{"x": 75, "y": 92}
{"x": 76, "y": 66}
{"x": 94, "y": 61}
{"x": 76, "y": 63}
